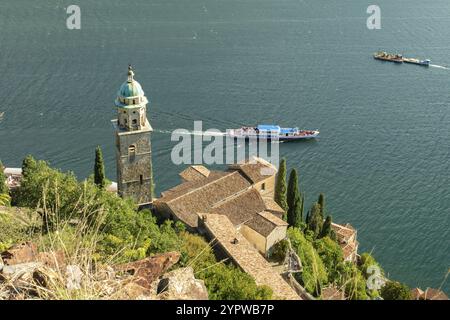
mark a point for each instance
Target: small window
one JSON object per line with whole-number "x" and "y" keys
{"x": 134, "y": 121}
{"x": 141, "y": 179}
{"x": 131, "y": 153}
{"x": 263, "y": 186}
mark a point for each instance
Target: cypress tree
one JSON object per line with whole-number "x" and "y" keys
{"x": 315, "y": 220}
{"x": 99, "y": 169}
{"x": 280, "y": 186}
{"x": 27, "y": 164}
{"x": 326, "y": 228}
{"x": 294, "y": 201}
{"x": 302, "y": 208}
{"x": 307, "y": 217}
{"x": 321, "y": 203}
{"x": 3, "y": 187}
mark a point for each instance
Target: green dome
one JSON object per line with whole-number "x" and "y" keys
{"x": 130, "y": 89}
{"x": 130, "y": 92}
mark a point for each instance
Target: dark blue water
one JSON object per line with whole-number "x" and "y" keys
{"x": 383, "y": 155}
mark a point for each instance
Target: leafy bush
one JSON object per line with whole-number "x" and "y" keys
{"x": 226, "y": 282}
{"x": 394, "y": 290}
{"x": 280, "y": 250}
{"x": 353, "y": 281}
{"x": 17, "y": 226}
{"x": 332, "y": 256}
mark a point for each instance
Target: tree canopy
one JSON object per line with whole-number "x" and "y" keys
{"x": 99, "y": 169}
{"x": 280, "y": 186}
{"x": 294, "y": 201}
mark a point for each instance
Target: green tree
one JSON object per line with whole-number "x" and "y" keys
{"x": 280, "y": 250}
{"x": 280, "y": 186}
{"x": 332, "y": 256}
{"x": 99, "y": 169}
{"x": 366, "y": 261}
{"x": 294, "y": 201}
{"x": 3, "y": 187}
{"x": 326, "y": 228}
{"x": 314, "y": 274}
{"x": 353, "y": 281}
{"x": 28, "y": 164}
{"x": 394, "y": 290}
{"x": 315, "y": 220}
{"x": 321, "y": 203}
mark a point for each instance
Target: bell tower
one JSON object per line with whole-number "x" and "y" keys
{"x": 133, "y": 142}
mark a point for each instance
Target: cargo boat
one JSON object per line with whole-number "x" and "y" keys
{"x": 425, "y": 63}
{"x": 398, "y": 58}
{"x": 272, "y": 132}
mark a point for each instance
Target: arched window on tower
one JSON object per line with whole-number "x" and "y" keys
{"x": 131, "y": 153}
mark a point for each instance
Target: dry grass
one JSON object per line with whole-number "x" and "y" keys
{"x": 79, "y": 274}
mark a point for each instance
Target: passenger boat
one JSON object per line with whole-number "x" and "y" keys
{"x": 272, "y": 132}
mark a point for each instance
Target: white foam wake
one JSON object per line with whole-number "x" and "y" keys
{"x": 439, "y": 67}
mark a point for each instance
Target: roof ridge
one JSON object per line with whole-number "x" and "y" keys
{"x": 266, "y": 218}
{"x": 202, "y": 186}
{"x": 233, "y": 196}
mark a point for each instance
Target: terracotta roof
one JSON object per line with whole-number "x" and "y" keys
{"x": 200, "y": 195}
{"x": 272, "y": 206}
{"x": 184, "y": 187}
{"x": 332, "y": 293}
{"x": 416, "y": 293}
{"x": 228, "y": 193}
{"x": 241, "y": 207}
{"x": 255, "y": 170}
{"x": 344, "y": 233}
{"x": 194, "y": 173}
{"x": 434, "y": 294}
{"x": 349, "y": 249}
{"x": 248, "y": 208}
{"x": 272, "y": 218}
{"x": 247, "y": 257}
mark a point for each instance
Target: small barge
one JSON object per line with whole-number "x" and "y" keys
{"x": 398, "y": 58}
{"x": 425, "y": 63}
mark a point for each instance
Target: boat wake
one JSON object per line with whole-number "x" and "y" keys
{"x": 195, "y": 133}
{"x": 207, "y": 133}
{"x": 439, "y": 67}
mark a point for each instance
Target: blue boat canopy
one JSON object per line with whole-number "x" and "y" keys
{"x": 268, "y": 127}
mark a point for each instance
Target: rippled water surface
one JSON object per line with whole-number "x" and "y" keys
{"x": 383, "y": 155}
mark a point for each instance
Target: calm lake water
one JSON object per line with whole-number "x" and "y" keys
{"x": 383, "y": 156}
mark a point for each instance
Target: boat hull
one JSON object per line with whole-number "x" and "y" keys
{"x": 270, "y": 138}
